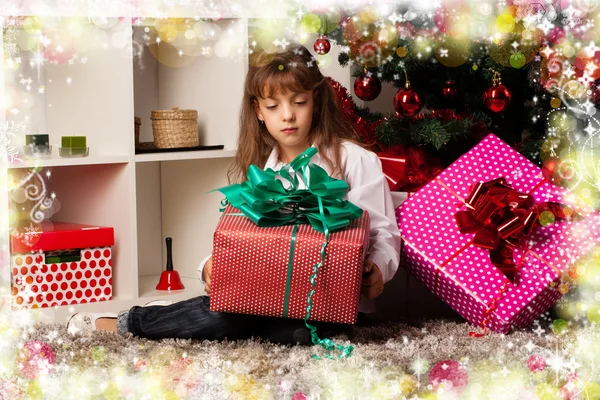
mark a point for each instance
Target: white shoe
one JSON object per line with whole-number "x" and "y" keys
{"x": 159, "y": 303}
{"x": 86, "y": 322}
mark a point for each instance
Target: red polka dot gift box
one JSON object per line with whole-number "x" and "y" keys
{"x": 267, "y": 270}
{"x": 62, "y": 264}
{"x": 493, "y": 239}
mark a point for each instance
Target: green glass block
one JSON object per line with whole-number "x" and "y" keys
{"x": 62, "y": 259}
{"x": 72, "y": 142}
{"x": 41, "y": 140}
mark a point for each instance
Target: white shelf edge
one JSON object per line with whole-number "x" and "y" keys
{"x": 67, "y": 161}
{"x": 184, "y": 155}
{"x": 148, "y": 292}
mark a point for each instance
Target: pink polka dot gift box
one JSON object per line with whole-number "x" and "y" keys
{"x": 267, "y": 270}
{"x": 61, "y": 264}
{"x": 493, "y": 239}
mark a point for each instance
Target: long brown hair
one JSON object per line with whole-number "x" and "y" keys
{"x": 296, "y": 71}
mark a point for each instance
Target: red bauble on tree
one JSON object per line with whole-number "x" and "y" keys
{"x": 536, "y": 363}
{"x": 550, "y": 170}
{"x": 322, "y": 45}
{"x": 367, "y": 87}
{"x": 407, "y": 101}
{"x": 498, "y": 97}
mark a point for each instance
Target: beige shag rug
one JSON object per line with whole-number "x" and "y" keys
{"x": 434, "y": 359}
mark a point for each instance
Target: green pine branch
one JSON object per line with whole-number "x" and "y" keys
{"x": 426, "y": 131}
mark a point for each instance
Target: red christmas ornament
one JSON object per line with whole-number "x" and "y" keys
{"x": 407, "y": 101}
{"x": 498, "y": 97}
{"x": 449, "y": 374}
{"x": 367, "y": 87}
{"x": 34, "y": 358}
{"x": 322, "y": 45}
{"x": 536, "y": 363}
{"x": 450, "y": 91}
{"x": 555, "y": 35}
{"x": 549, "y": 169}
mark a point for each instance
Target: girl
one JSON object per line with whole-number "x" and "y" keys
{"x": 287, "y": 107}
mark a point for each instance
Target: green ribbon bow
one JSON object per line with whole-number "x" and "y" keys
{"x": 267, "y": 202}
{"x": 264, "y": 199}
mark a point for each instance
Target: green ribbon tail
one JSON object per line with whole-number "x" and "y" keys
{"x": 327, "y": 344}
{"x": 288, "y": 282}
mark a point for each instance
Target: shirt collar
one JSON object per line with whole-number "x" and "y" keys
{"x": 274, "y": 163}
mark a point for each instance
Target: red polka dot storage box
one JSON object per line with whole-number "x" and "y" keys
{"x": 63, "y": 264}
{"x": 266, "y": 271}
{"x": 461, "y": 273}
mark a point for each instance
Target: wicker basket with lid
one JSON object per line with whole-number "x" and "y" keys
{"x": 175, "y": 128}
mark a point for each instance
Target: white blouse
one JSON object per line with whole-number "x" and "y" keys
{"x": 369, "y": 190}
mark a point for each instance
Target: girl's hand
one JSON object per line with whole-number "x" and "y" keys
{"x": 372, "y": 283}
{"x": 206, "y": 273}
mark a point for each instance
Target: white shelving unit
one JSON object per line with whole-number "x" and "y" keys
{"x": 62, "y": 161}
{"x": 144, "y": 197}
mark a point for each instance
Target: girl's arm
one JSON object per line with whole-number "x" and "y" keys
{"x": 369, "y": 190}
{"x": 201, "y": 275}
{"x": 201, "y": 267}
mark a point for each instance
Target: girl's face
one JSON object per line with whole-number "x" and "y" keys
{"x": 288, "y": 118}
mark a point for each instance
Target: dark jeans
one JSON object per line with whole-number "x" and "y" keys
{"x": 193, "y": 319}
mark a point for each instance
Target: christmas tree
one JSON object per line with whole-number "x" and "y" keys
{"x": 526, "y": 75}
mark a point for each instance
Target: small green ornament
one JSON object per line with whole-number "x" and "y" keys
{"x": 36, "y": 169}
{"x": 34, "y": 391}
{"x": 170, "y": 395}
{"x": 545, "y": 391}
{"x": 517, "y": 60}
{"x": 99, "y": 354}
{"x": 560, "y": 326}
{"x": 547, "y": 218}
{"x": 112, "y": 392}
{"x": 311, "y": 23}
{"x": 593, "y": 314}
{"x": 591, "y": 391}
{"x": 475, "y": 67}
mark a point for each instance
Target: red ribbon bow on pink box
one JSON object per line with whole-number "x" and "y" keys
{"x": 503, "y": 218}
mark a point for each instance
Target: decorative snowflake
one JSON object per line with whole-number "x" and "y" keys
{"x": 545, "y": 26}
{"x": 283, "y": 43}
{"x": 517, "y": 173}
{"x": 8, "y": 152}
{"x": 32, "y": 231}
